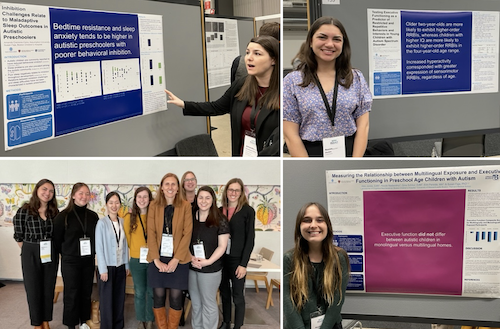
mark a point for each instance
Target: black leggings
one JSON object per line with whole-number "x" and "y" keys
{"x": 174, "y": 298}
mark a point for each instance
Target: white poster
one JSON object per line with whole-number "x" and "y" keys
{"x": 419, "y": 231}
{"x": 66, "y": 70}
{"x": 222, "y": 48}
{"x": 432, "y": 52}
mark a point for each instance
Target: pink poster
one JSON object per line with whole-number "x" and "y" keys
{"x": 414, "y": 241}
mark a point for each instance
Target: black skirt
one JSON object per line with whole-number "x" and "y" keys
{"x": 176, "y": 280}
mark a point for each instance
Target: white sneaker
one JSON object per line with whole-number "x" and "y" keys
{"x": 84, "y": 326}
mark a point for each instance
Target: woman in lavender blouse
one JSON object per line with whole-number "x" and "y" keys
{"x": 326, "y": 67}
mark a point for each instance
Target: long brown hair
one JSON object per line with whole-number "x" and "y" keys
{"x": 71, "y": 203}
{"x": 34, "y": 204}
{"x": 309, "y": 66}
{"x": 160, "y": 196}
{"x": 302, "y": 268}
{"x": 250, "y": 88}
{"x": 214, "y": 213}
{"x": 136, "y": 211}
{"x": 183, "y": 180}
{"x": 242, "y": 200}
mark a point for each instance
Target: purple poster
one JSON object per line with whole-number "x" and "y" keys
{"x": 414, "y": 241}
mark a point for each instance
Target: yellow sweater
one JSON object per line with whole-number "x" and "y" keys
{"x": 135, "y": 239}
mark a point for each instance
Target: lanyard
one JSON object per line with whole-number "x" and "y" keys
{"x": 169, "y": 214}
{"x": 253, "y": 115}
{"x": 83, "y": 228}
{"x": 143, "y": 230}
{"x": 43, "y": 226}
{"x": 329, "y": 110}
{"x": 198, "y": 226}
{"x": 316, "y": 288}
{"x": 117, "y": 235}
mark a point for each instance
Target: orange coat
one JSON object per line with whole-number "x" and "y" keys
{"x": 182, "y": 228}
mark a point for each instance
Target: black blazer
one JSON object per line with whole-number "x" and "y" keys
{"x": 267, "y": 120}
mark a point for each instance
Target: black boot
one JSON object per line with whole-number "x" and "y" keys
{"x": 225, "y": 325}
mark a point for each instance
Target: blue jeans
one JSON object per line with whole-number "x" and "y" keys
{"x": 143, "y": 293}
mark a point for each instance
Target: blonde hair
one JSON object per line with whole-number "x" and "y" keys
{"x": 302, "y": 268}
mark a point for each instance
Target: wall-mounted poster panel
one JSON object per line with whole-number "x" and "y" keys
{"x": 65, "y": 70}
{"x": 221, "y": 37}
{"x": 432, "y": 52}
{"x": 419, "y": 231}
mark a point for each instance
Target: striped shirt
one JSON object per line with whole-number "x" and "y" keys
{"x": 31, "y": 229}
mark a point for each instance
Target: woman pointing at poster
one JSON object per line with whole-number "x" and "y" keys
{"x": 315, "y": 273}
{"x": 252, "y": 102}
{"x": 326, "y": 101}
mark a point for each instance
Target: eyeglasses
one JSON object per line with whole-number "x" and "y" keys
{"x": 190, "y": 180}
{"x": 233, "y": 191}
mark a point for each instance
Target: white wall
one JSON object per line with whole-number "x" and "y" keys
{"x": 142, "y": 171}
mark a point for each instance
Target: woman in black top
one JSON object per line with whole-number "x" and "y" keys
{"x": 33, "y": 228}
{"x": 208, "y": 244}
{"x": 253, "y": 103}
{"x": 242, "y": 229}
{"x": 74, "y": 238}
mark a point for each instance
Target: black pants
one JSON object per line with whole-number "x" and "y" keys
{"x": 238, "y": 292}
{"x": 315, "y": 149}
{"x": 78, "y": 275}
{"x": 112, "y": 298}
{"x": 39, "y": 282}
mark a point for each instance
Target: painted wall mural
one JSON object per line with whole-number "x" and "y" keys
{"x": 265, "y": 199}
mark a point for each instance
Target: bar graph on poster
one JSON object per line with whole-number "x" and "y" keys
{"x": 419, "y": 231}
{"x": 66, "y": 70}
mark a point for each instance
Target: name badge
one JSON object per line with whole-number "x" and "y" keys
{"x": 45, "y": 251}
{"x": 199, "y": 251}
{"x": 317, "y": 319}
{"x": 250, "y": 146}
{"x": 228, "y": 249}
{"x": 334, "y": 147}
{"x": 167, "y": 245}
{"x": 85, "y": 248}
{"x": 144, "y": 255}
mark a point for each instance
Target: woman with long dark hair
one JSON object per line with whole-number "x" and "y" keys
{"x": 74, "y": 239}
{"x": 242, "y": 239}
{"x": 169, "y": 234}
{"x": 33, "y": 230}
{"x": 326, "y": 98}
{"x": 137, "y": 235}
{"x": 315, "y": 273}
{"x": 208, "y": 244}
{"x": 252, "y": 102}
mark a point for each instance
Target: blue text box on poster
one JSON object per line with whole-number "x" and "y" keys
{"x": 29, "y": 130}
{"x": 356, "y": 262}
{"x": 350, "y": 243}
{"x": 96, "y": 70}
{"x": 356, "y": 282}
{"x": 436, "y": 51}
{"x": 27, "y": 104}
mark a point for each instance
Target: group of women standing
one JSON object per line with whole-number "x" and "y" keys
{"x": 174, "y": 244}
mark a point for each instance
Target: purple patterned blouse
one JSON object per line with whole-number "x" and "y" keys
{"x": 305, "y": 106}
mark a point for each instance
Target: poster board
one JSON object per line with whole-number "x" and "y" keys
{"x": 144, "y": 135}
{"x": 245, "y": 33}
{"x": 406, "y": 117}
{"x": 304, "y": 181}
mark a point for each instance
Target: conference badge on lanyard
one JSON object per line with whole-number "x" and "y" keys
{"x": 334, "y": 147}
{"x": 199, "y": 251}
{"x": 250, "y": 145}
{"x": 167, "y": 245}
{"x": 85, "y": 249}
{"x": 144, "y": 255}
{"x": 317, "y": 319}
{"x": 45, "y": 250}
